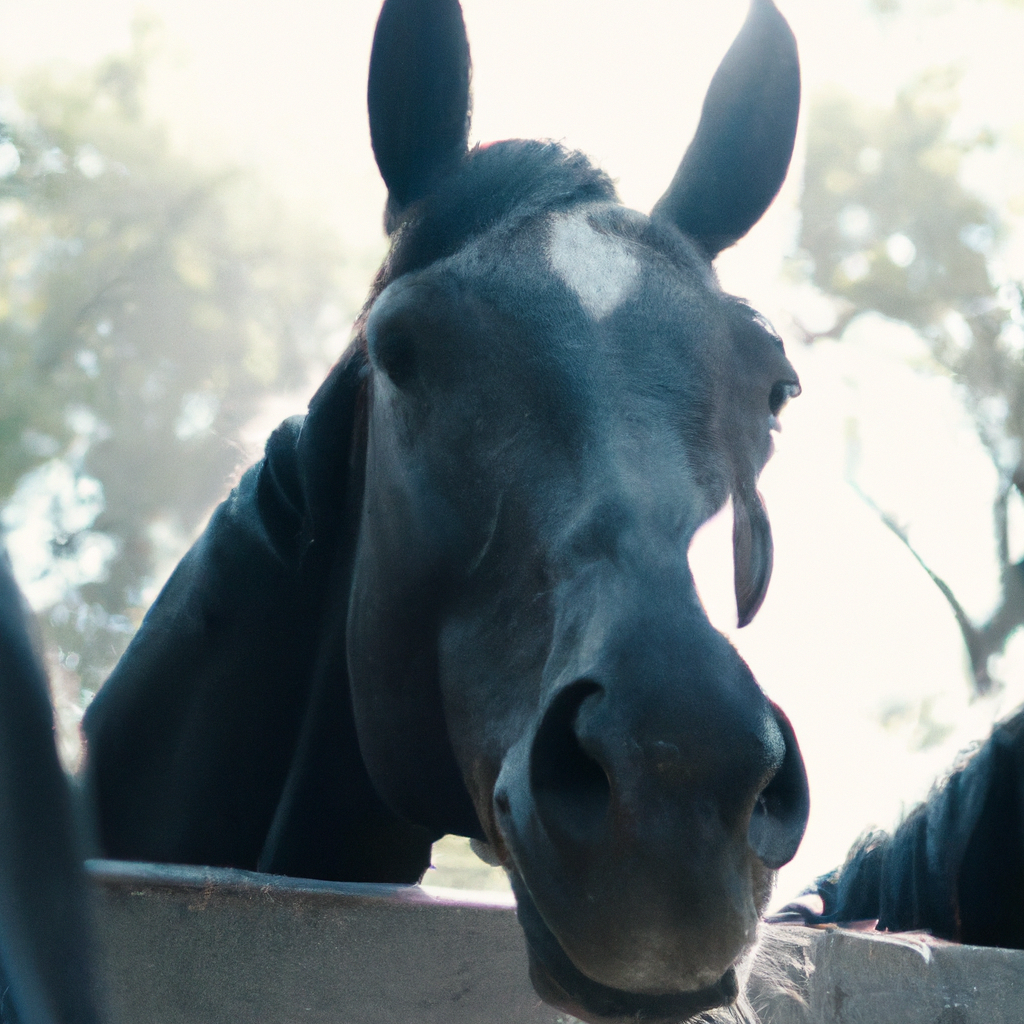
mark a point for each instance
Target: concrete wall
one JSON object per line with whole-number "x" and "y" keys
{"x": 210, "y": 946}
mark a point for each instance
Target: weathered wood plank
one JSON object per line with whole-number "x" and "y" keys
{"x": 185, "y": 945}
{"x": 876, "y": 979}
{"x": 190, "y": 945}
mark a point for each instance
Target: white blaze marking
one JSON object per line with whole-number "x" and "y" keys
{"x": 599, "y": 268}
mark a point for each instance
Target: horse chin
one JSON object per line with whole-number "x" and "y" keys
{"x": 559, "y": 982}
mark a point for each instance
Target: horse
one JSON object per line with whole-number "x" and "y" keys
{"x": 45, "y": 930}
{"x": 953, "y": 867}
{"x": 455, "y": 596}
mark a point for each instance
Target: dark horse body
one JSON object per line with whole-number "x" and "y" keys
{"x": 44, "y": 929}
{"x": 954, "y": 867}
{"x": 455, "y": 597}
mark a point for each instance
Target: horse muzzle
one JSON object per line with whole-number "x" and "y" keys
{"x": 645, "y": 816}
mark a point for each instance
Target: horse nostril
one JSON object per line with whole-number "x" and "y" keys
{"x": 779, "y": 817}
{"x": 570, "y": 788}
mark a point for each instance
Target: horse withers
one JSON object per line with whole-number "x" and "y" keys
{"x": 455, "y": 597}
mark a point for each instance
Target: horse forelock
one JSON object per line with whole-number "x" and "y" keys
{"x": 501, "y": 183}
{"x": 496, "y": 183}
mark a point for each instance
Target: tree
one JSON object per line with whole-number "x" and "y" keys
{"x": 889, "y": 228}
{"x": 148, "y": 307}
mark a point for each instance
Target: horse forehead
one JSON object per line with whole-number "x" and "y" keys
{"x": 601, "y": 269}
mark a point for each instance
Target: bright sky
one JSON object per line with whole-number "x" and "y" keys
{"x": 852, "y": 630}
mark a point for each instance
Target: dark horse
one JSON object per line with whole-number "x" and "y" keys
{"x": 44, "y": 931}
{"x": 955, "y": 865}
{"x": 455, "y": 597}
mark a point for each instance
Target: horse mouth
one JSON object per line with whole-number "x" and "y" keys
{"x": 559, "y": 982}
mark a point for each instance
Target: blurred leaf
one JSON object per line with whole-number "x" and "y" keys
{"x": 889, "y": 229}
{"x": 148, "y": 308}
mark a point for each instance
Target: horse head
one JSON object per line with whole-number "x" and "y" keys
{"x": 557, "y": 394}
{"x": 455, "y": 598}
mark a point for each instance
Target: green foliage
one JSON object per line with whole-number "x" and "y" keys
{"x": 875, "y": 178}
{"x": 147, "y": 308}
{"x": 889, "y": 228}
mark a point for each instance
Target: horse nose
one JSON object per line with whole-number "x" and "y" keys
{"x": 572, "y": 779}
{"x": 635, "y": 829}
{"x": 645, "y": 808}
{"x": 780, "y": 813}
{"x": 571, "y": 786}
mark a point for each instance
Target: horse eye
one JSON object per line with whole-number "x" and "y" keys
{"x": 394, "y": 351}
{"x": 782, "y": 391}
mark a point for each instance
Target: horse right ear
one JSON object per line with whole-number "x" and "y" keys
{"x": 739, "y": 156}
{"x": 418, "y": 97}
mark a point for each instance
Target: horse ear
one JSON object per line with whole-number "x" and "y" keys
{"x": 418, "y": 96}
{"x": 752, "y": 552}
{"x": 738, "y": 158}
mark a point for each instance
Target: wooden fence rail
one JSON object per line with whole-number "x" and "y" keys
{"x": 184, "y": 945}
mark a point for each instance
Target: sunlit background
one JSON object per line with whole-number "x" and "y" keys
{"x": 190, "y": 216}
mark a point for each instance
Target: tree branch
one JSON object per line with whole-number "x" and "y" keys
{"x": 809, "y": 337}
{"x": 981, "y": 644}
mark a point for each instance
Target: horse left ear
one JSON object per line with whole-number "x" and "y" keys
{"x": 753, "y": 552}
{"x": 738, "y": 158}
{"x": 418, "y": 97}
